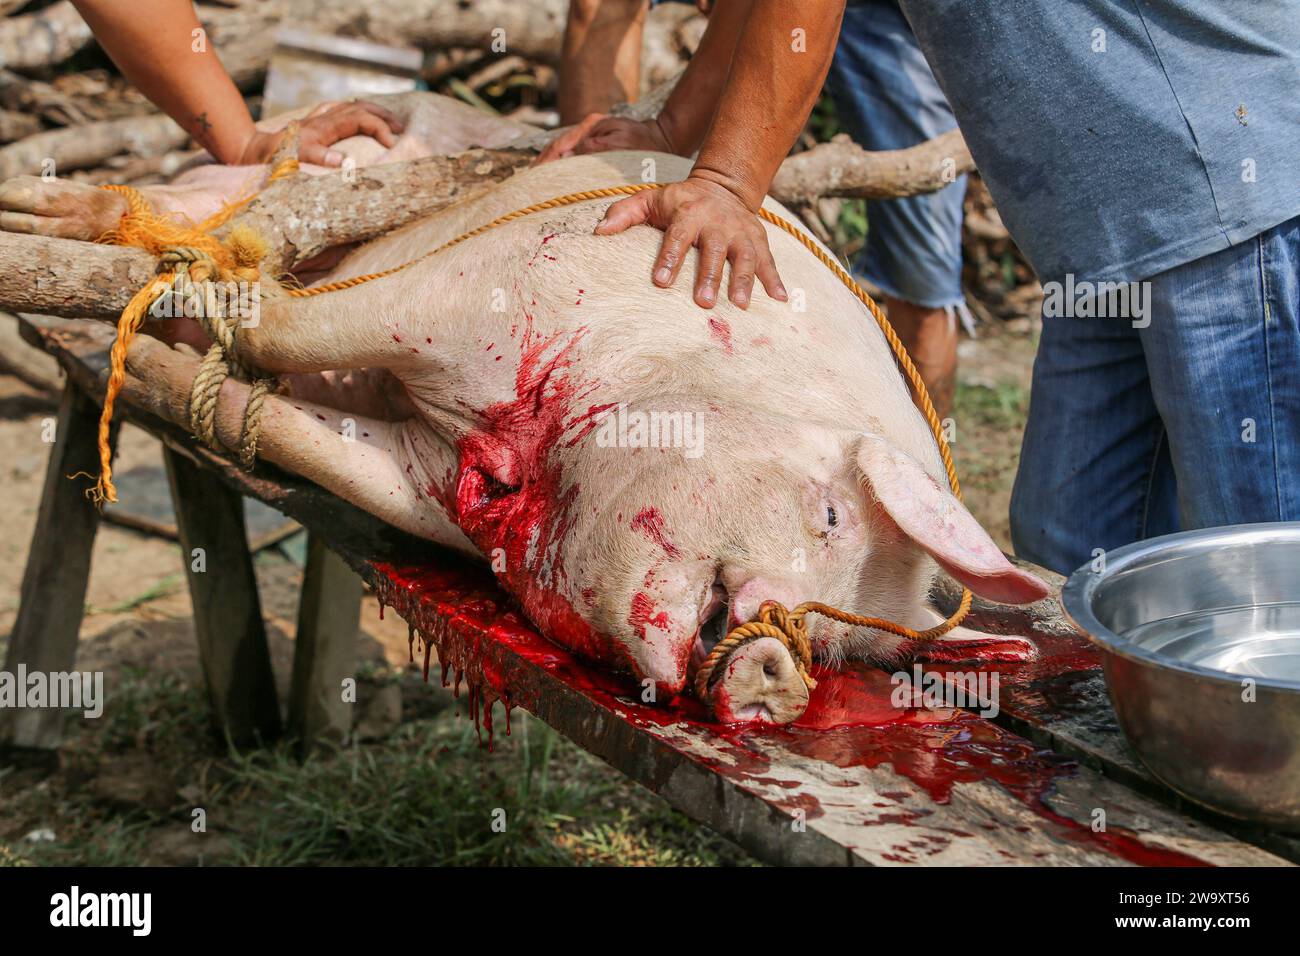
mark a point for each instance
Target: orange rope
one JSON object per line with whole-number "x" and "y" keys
{"x": 145, "y": 229}
{"x": 773, "y": 620}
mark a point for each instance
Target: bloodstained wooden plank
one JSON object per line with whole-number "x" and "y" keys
{"x": 1059, "y": 700}
{"x": 858, "y": 781}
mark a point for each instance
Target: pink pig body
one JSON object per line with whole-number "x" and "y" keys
{"x": 494, "y": 393}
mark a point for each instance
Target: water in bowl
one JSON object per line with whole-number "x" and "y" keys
{"x": 1255, "y": 641}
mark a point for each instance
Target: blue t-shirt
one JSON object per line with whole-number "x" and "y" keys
{"x": 1121, "y": 138}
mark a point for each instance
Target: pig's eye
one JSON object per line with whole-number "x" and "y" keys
{"x": 832, "y": 518}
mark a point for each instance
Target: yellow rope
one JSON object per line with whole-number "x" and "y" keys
{"x": 773, "y": 619}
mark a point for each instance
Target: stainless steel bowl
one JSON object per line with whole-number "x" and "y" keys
{"x": 1192, "y": 625}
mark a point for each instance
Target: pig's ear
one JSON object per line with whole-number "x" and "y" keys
{"x": 931, "y": 516}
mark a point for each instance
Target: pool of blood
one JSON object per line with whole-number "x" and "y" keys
{"x": 485, "y": 644}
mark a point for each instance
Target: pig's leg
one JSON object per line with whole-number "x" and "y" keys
{"x": 61, "y": 208}
{"x": 64, "y": 209}
{"x": 381, "y": 470}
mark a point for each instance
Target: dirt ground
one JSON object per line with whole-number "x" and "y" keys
{"x": 415, "y": 787}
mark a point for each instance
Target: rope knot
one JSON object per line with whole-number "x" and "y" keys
{"x": 772, "y": 620}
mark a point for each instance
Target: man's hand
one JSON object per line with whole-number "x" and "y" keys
{"x": 322, "y": 128}
{"x": 599, "y": 133}
{"x": 699, "y": 212}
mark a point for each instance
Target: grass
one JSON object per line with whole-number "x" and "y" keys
{"x": 1002, "y": 405}
{"x": 428, "y": 794}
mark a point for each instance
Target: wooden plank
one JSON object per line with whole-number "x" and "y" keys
{"x": 924, "y": 788}
{"x": 325, "y": 652}
{"x": 931, "y": 788}
{"x": 1059, "y": 700}
{"x": 227, "y": 612}
{"x": 53, "y": 596}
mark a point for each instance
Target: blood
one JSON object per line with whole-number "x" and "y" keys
{"x": 720, "y": 330}
{"x": 651, "y": 523}
{"x": 483, "y": 640}
{"x": 510, "y": 495}
{"x": 643, "y": 615}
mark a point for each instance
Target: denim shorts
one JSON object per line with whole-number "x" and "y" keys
{"x": 887, "y": 98}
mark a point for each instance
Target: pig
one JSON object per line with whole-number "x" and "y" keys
{"x": 640, "y": 472}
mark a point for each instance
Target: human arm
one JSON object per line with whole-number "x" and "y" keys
{"x": 682, "y": 123}
{"x": 160, "y": 47}
{"x": 784, "y": 50}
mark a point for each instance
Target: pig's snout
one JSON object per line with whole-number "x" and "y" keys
{"x": 749, "y": 597}
{"x": 758, "y": 682}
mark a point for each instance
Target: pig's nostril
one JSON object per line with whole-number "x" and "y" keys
{"x": 714, "y": 617}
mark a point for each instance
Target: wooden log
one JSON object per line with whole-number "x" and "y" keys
{"x": 305, "y": 215}
{"x": 53, "y": 596}
{"x": 73, "y": 99}
{"x": 15, "y": 125}
{"x": 244, "y": 37}
{"x": 227, "y": 613}
{"x": 29, "y": 365}
{"x": 325, "y": 650}
{"x": 843, "y": 168}
{"x": 42, "y": 39}
{"x": 67, "y": 278}
{"x": 79, "y": 147}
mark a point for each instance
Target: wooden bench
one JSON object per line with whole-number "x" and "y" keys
{"x": 1049, "y": 780}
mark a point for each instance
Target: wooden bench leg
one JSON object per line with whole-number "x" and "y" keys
{"x": 227, "y": 613}
{"x": 53, "y": 597}
{"x": 326, "y": 648}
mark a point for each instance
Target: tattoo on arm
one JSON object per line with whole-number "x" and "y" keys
{"x": 202, "y": 122}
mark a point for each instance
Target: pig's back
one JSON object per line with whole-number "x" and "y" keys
{"x": 819, "y": 357}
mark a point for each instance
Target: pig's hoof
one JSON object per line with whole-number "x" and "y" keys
{"x": 757, "y": 682}
{"x": 59, "y": 208}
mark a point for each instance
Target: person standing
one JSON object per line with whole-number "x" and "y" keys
{"x": 1147, "y": 149}
{"x": 886, "y": 98}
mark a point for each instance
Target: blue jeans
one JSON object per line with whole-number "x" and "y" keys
{"x": 1191, "y": 422}
{"x": 887, "y": 98}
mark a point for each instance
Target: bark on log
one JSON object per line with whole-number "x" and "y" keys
{"x": 843, "y": 168}
{"x": 73, "y": 98}
{"x": 42, "y": 39}
{"x": 300, "y": 216}
{"x": 80, "y": 147}
{"x": 69, "y": 278}
{"x": 16, "y": 126}
{"x": 303, "y": 216}
{"x": 244, "y": 37}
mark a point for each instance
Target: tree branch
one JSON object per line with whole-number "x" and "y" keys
{"x": 843, "y": 168}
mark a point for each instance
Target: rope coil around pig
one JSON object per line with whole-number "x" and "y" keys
{"x": 773, "y": 620}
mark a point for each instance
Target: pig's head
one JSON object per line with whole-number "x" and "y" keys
{"x": 670, "y": 547}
